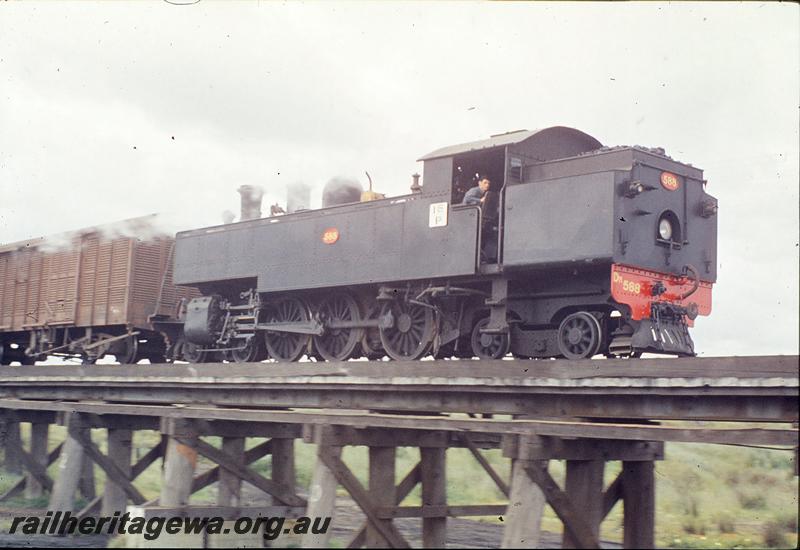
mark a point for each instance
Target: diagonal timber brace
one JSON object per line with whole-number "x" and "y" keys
{"x": 502, "y": 485}
{"x": 404, "y": 489}
{"x": 112, "y": 470}
{"x": 283, "y": 494}
{"x": 345, "y": 477}
{"x": 93, "y": 506}
{"x": 612, "y": 495}
{"x": 573, "y": 522}
{"x": 38, "y": 471}
{"x": 212, "y": 476}
{"x": 19, "y": 486}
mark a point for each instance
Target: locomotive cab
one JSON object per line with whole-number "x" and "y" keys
{"x": 452, "y": 171}
{"x": 604, "y": 249}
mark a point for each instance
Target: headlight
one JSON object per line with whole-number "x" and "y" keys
{"x": 668, "y": 231}
{"x": 665, "y": 229}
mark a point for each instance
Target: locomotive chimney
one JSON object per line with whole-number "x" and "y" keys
{"x": 251, "y": 202}
{"x": 416, "y": 187}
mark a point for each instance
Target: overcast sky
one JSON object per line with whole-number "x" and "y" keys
{"x": 111, "y": 111}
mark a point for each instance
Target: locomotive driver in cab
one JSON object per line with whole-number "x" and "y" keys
{"x": 477, "y": 195}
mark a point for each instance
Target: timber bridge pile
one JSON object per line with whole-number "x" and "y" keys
{"x": 583, "y": 412}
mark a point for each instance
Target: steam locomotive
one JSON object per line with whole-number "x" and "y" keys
{"x": 576, "y": 250}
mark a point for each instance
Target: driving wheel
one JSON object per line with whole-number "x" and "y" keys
{"x": 410, "y": 335}
{"x": 338, "y": 344}
{"x": 286, "y": 347}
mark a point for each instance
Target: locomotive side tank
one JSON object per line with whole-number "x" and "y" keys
{"x": 578, "y": 250}
{"x": 360, "y": 243}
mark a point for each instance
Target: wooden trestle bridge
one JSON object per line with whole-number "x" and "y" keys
{"x": 586, "y": 413}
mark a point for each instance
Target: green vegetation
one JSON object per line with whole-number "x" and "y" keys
{"x": 707, "y": 496}
{"x": 716, "y": 496}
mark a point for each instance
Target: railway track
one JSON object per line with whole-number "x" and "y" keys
{"x": 754, "y": 389}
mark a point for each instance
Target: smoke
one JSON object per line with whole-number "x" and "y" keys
{"x": 145, "y": 228}
{"x": 251, "y": 192}
{"x": 228, "y": 217}
{"x": 58, "y": 243}
{"x": 341, "y": 191}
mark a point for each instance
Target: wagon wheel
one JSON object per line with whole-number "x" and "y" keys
{"x": 338, "y": 344}
{"x": 489, "y": 346}
{"x": 579, "y": 336}
{"x": 410, "y": 335}
{"x": 126, "y": 351}
{"x": 286, "y": 347}
{"x": 253, "y": 351}
{"x": 93, "y": 355}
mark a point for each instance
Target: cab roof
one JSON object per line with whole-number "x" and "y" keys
{"x": 513, "y": 138}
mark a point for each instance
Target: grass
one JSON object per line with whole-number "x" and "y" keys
{"x": 707, "y": 496}
{"x": 716, "y": 494}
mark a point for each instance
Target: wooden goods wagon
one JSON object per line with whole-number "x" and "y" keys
{"x": 87, "y": 294}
